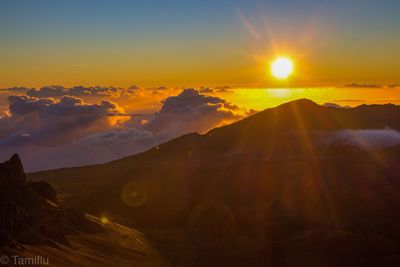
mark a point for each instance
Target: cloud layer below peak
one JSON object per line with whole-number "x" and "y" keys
{"x": 49, "y": 127}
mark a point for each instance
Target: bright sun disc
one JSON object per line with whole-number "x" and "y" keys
{"x": 281, "y": 68}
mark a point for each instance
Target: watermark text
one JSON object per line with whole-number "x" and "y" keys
{"x": 20, "y": 260}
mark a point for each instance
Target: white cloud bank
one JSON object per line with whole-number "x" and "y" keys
{"x": 52, "y": 133}
{"x": 365, "y": 139}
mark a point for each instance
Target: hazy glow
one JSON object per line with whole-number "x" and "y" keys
{"x": 261, "y": 98}
{"x": 282, "y": 67}
{"x": 280, "y": 92}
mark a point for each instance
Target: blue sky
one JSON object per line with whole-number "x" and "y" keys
{"x": 88, "y": 32}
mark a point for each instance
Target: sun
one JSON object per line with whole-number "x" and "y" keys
{"x": 282, "y": 67}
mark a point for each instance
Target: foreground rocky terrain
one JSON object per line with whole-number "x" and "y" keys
{"x": 37, "y": 230}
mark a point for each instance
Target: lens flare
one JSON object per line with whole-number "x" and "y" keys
{"x": 134, "y": 194}
{"x": 104, "y": 220}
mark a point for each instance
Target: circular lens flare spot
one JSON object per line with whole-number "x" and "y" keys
{"x": 134, "y": 194}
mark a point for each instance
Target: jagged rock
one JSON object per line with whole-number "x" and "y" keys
{"x": 29, "y": 210}
{"x": 13, "y": 169}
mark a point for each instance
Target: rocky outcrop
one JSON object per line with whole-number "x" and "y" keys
{"x": 29, "y": 210}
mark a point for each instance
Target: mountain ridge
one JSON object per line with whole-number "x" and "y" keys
{"x": 263, "y": 183}
{"x": 300, "y": 104}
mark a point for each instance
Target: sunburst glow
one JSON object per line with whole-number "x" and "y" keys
{"x": 282, "y": 68}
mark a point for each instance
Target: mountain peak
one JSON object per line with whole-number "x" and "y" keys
{"x": 15, "y": 160}
{"x": 300, "y": 103}
{"x": 13, "y": 168}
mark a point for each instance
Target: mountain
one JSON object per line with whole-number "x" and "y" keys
{"x": 280, "y": 188}
{"x": 37, "y": 230}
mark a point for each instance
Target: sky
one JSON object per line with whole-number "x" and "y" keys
{"x": 193, "y": 43}
{"x": 85, "y": 81}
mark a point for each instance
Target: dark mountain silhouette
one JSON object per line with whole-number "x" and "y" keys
{"x": 265, "y": 191}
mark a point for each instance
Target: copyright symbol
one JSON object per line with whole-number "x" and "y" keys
{"x": 4, "y": 259}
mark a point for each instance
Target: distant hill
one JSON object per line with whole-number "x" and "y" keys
{"x": 272, "y": 189}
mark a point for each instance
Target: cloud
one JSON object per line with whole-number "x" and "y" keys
{"x": 361, "y": 85}
{"x": 79, "y": 91}
{"x": 206, "y": 90}
{"x": 114, "y": 144}
{"x": 158, "y": 91}
{"x": 223, "y": 89}
{"x": 15, "y": 90}
{"x": 62, "y": 131}
{"x": 394, "y": 86}
{"x": 370, "y": 85}
{"x": 191, "y": 111}
{"x": 350, "y": 101}
{"x": 52, "y": 132}
{"x": 159, "y": 88}
{"x": 48, "y": 121}
{"x": 334, "y": 105}
{"x": 226, "y": 87}
{"x": 134, "y": 90}
{"x": 366, "y": 139}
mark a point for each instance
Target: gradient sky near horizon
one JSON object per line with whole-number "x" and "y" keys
{"x": 189, "y": 43}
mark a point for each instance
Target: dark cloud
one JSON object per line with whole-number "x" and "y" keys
{"x": 78, "y": 91}
{"x": 134, "y": 90}
{"x": 158, "y": 91}
{"x": 191, "y": 111}
{"x": 52, "y": 122}
{"x": 334, "y": 105}
{"x": 350, "y": 100}
{"x": 72, "y": 132}
{"x": 65, "y": 131}
{"x": 187, "y": 100}
{"x": 225, "y": 87}
{"x": 15, "y": 90}
{"x": 160, "y": 88}
{"x": 361, "y": 85}
{"x": 133, "y": 87}
{"x": 206, "y": 90}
